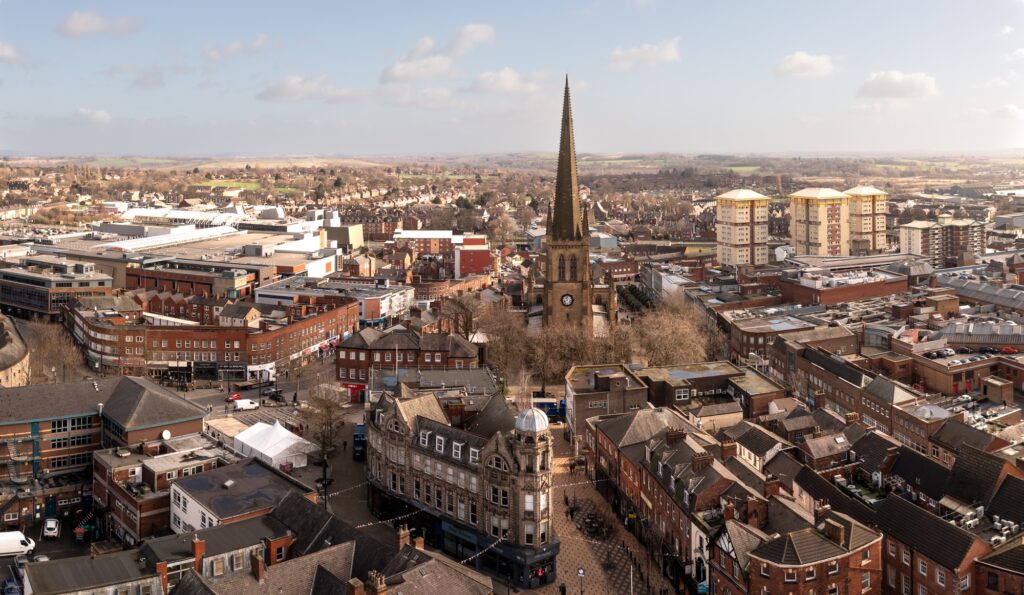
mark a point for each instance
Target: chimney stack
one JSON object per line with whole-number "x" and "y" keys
{"x": 198, "y": 551}
{"x": 729, "y": 512}
{"x": 418, "y": 542}
{"x": 375, "y": 584}
{"x": 403, "y": 536}
{"x": 259, "y": 568}
{"x": 729, "y": 449}
{"x": 701, "y": 461}
{"x": 772, "y": 486}
{"x": 354, "y": 587}
{"x": 852, "y": 417}
{"x": 674, "y": 436}
{"x": 834, "y": 531}
{"x": 161, "y": 569}
{"x": 821, "y": 510}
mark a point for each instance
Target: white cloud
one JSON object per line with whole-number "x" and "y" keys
{"x": 1009, "y": 112}
{"x": 95, "y": 116}
{"x": 426, "y": 60}
{"x": 1001, "y": 81}
{"x": 10, "y": 54}
{"x": 647, "y": 55}
{"x": 804, "y": 64}
{"x": 505, "y": 80}
{"x": 300, "y": 88}
{"x": 86, "y": 22}
{"x": 895, "y": 84}
{"x": 219, "y": 52}
{"x": 1017, "y": 54}
{"x": 1006, "y": 30}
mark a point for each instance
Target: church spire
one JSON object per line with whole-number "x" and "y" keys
{"x": 567, "y": 223}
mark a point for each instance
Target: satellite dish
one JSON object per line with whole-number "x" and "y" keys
{"x": 166, "y": 434}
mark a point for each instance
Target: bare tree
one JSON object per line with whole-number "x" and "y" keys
{"x": 322, "y": 414}
{"x": 460, "y": 314}
{"x": 53, "y": 353}
{"x": 676, "y": 332}
{"x": 508, "y": 346}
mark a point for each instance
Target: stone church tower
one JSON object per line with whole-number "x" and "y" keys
{"x": 568, "y": 291}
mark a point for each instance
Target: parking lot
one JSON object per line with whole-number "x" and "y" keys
{"x": 64, "y": 546}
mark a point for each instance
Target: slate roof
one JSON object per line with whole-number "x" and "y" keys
{"x": 889, "y": 391}
{"x": 85, "y": 573}
{"x": 805, "y": 546}
{"x": 255, "y": 487}
{"x": 640, "y": 425}
{"x": 873, "y": 450}
{"x": 191, "y": 584}
{"x": 1009, "y": 556}
{"x": 855, "y": 535}
{"x": 754, "y": 438}
{"x": 315, "y": 528}
{"x": 138, "y": 403}
{"x": 414, "y": 572}
{"x": 824, "y": 447}
{"x": 361, "y": 339}
{"x": 953, "y": 435}
{"x": 943, "y": 542}
{"x": 785, "y": 467}
{"x": 295, "y": 575}
{"x": 920, "y": 472}
{"x": 974, "y": 477}
{"x": 130, "y": 401}
{"x": 220, "y": 539}
{"x": 496, "y": 416}
{"x": 422, "y": 406}
{"x": 325, "y": 583}
{"x": 745, "y": 538}
{"x": 1008, "y": 501}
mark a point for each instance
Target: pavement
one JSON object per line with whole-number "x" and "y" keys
{"x": 606, "y": 562}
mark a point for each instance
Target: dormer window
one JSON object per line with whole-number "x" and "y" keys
{"x": 439, "y": 444}
{"x": 425, "y": 438}
{"x": 682, "y": 394}
{"x": 457, "y": 450}
{"x": 474, "y": 456}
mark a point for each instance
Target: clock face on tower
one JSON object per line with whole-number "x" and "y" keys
{"x": 567, "y": 300}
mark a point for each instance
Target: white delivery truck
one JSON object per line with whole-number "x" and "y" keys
{"x": 15, "y": 542}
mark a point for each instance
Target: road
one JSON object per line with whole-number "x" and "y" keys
{"x": 214, "y": 398}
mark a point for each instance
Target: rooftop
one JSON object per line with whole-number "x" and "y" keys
{"x": 244, "y": 487}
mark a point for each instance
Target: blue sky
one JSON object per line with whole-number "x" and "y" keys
{"x": 273, "y": 78}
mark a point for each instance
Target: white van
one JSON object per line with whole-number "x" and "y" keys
{"x": 246, "y": 404}
{"x": 15, "y": 542}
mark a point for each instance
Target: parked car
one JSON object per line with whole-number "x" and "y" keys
{"x": 40, "y": 558}
{"x": 51, "y": 528}
{"x": 931, "y": 355}
{"x": 246, "y": 405}
{"x": 274, "y": 394}
{"x": 1009, "y": 350}
{"x": 964, "y": 349}
{"x": 233, "y": 397}
{"x": 948, "y": 352}
{"x": 989, "y": 350}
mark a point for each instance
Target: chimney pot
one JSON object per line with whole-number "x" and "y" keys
{"x": 403, "y": 536}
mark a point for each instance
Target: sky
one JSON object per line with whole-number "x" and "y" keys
{"x": 418, "y": 78}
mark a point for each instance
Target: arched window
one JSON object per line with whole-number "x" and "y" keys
{"x": 497, "y": 463}
{"x": 572, "y": 269}
{"x": 561, "y": 267}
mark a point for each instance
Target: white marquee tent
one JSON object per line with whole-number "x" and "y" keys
{"x": 274, "y": 445}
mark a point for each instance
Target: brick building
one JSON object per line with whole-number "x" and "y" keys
{"x": 398, "y": 349}
{"x": 50, "y": 442}
{"x": 255, "y": 345}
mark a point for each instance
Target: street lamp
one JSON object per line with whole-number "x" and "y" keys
{"x": 580, "y": 573}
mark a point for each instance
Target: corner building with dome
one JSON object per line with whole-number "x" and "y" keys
{"x": 478, "y": 489}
